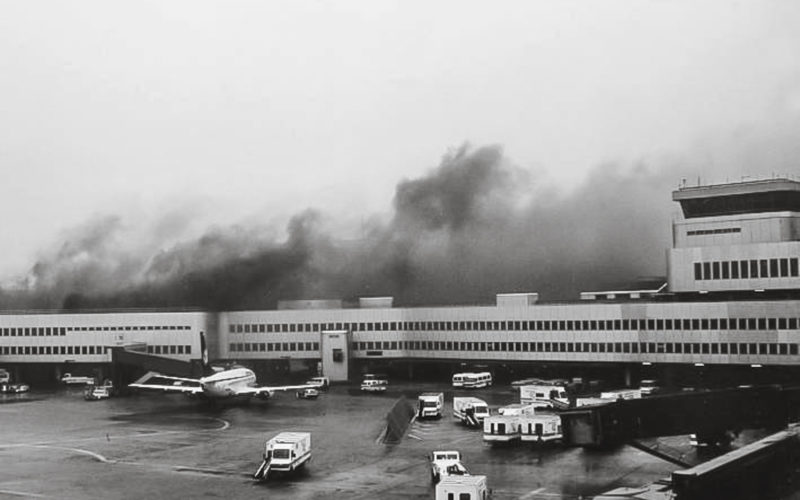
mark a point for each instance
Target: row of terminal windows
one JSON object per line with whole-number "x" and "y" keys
{"x": 86, "y": 349}
{"x": 124, "y": 328}
{"x": 699, "y": 232}
{"x": 55, "y": 349}
{"x": 584, "y": 347}
{"x": 169, "y": 349}
{"x": 544, "y": 325}
{"x": 49, "y": 331}
{"x": 33, "y": 331}
{"x": 746, "y": 269}
{"x": 273, "y": 346}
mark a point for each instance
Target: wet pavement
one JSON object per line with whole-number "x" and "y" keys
{"x": 57, "y": 445}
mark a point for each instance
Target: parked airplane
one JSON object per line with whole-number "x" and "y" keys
{"x": 221, "y": 385}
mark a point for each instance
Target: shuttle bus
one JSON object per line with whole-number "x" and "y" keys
{"x": 458, "y": 379}
{"x": 477, "y": 380}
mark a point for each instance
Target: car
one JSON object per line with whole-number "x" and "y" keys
{"x": 14, "y": 388}
{"x": 94, "y": 393}
{"x": 309, "y": 393}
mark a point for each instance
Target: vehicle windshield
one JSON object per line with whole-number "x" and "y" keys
{"x": 480, "y": 409}
{"x": 280, "y": 453}
{"x": 429, "y": 404}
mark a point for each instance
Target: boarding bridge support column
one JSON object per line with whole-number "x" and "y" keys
{"x": 335, "y": 354}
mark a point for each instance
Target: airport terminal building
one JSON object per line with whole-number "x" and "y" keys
{"x": 731, "y": 302}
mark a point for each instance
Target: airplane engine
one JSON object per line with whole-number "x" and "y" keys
{"x": 265, "y": 395}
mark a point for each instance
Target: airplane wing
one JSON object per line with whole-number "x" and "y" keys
{"x": 179, "y": 384}
{"x": 268, "y": 390}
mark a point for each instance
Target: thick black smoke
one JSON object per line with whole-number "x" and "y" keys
{"x": 474, "y": 226}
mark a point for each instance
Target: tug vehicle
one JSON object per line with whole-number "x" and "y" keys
{"x": 446, "y": 463}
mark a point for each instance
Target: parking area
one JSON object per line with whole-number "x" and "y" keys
{"x": 57, "y": 445}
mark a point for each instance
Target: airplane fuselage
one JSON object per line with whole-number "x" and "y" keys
{"x": 228, "y": 383}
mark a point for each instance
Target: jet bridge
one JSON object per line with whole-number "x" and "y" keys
{"x": 709, "y": 414}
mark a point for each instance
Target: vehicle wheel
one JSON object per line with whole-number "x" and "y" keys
{"x": 434, "y": 477}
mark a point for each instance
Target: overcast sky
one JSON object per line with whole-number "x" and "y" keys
{"x": 256, "y": 110}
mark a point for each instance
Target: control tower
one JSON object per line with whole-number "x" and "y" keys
{"x": 736, "y": 237}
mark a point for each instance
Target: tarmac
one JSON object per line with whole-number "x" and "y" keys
{"x": 57, "y": 445}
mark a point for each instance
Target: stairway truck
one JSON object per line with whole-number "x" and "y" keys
{"x": 540, "y": 428}
{"x": 501, "y": 429}
{"x": 470, "y": 411}
{"x": 462, "y": 488}
{"x": 285, "y": 453}
{"x": 430, "y": 405}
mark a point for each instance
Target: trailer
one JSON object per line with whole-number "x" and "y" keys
{"x": 430, "y": 404}
{"x": 517, "y": 409}
{"x": 285, "y": 453}
{"x": 540, "y": 428}
{"x": 462, "y": 488}
{"x": 70, "y": 379}
{"x": 621, "y": 394}
{"x": 501, "y": 429}
{"x": 470, "y": 411}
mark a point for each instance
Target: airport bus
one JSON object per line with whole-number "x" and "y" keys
{"x": 477, "y": 380}
{"x": 458, "y": 379}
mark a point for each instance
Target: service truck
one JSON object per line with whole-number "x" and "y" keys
{"x": 544, "y": 396}
{"x": 470, "y": 411}
{"x": 446, "y": 463}
{"x": 286, "y": 452}
{"x": 540, "y": 428}
{"x": 430, "y": 404}
{"x": 462, "y": 488}
{"x": 501, "y": 429}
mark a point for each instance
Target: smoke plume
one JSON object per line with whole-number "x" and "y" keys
{"x": 474, "y": 226}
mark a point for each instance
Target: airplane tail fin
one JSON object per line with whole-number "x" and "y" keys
{"x": 207, "y": 370}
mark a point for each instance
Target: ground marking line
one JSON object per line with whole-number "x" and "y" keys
{"x": 530, "y": 494}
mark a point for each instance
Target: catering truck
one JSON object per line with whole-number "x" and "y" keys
{"x": 462, "y": 488}
{"x": 430, "y": 404}
{"x": 470, "y": 411}
{"x": 286, "y": 453}
{"x": 501, "y": 429}
{"x": 540, "y": 428}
